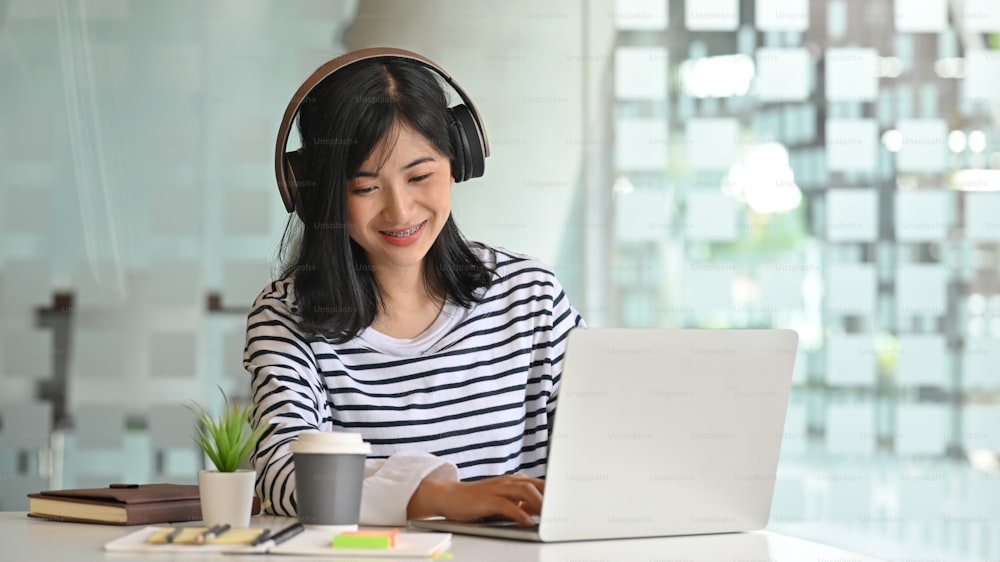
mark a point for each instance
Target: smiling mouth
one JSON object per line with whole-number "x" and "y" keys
{"x": 403, "y": 233}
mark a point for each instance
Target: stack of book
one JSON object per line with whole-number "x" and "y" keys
{"x": 121, "y": 504}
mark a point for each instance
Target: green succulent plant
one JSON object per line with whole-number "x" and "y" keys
{"x": 226, "y": 439}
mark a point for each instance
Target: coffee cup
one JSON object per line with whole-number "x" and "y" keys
{"x": 329, "y": 475}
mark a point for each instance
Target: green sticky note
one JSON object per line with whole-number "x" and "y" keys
{"x": 371, "y": 541}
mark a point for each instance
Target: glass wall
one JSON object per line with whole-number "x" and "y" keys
{"x": 831, "y": 167}
{"x": 138, "y": 221}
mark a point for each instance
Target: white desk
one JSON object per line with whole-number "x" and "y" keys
{"x": 23, "y": 538}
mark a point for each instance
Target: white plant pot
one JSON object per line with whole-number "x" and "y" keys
{"x": 226, "y": 497}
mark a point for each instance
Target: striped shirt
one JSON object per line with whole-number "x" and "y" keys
{"x": 472, "y": 397}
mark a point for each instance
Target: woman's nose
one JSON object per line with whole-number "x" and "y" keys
{"x": 397, "y": 206}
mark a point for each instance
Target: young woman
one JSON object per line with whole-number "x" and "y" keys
{"x": 444, "y": 354}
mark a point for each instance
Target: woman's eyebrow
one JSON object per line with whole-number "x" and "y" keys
{"x": 421, "y": 160}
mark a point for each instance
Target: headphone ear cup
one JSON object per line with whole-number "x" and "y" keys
{"x": 469, "y": 146}
{"x": 295, "y": 174}
{"x": 459, "y": 147}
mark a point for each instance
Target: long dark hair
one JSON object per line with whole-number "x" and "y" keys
{"x": 344, "y": 119}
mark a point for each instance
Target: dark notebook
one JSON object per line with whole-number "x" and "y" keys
{"x": 121, "y": 504}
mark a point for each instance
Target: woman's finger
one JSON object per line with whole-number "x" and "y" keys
{"x": 523, "y": 492}
{"x": 509, "y": 510}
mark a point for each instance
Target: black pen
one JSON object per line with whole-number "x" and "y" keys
{"x": 261, "y": 538}
{"x": 174, "y": 534}
{"x": 212, "y": 533}
{"x": 283, "y": 535}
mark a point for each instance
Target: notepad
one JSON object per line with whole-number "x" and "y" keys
{"x": 310, "y": 542}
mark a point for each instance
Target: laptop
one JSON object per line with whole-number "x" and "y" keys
{"x": 660, "y": 432}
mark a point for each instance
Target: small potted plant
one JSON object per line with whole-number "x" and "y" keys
{"x": 227, "y": 440}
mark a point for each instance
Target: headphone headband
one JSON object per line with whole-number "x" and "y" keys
{"x": 289, "y": 192}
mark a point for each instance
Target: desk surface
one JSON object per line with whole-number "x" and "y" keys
{"x": 24, "y": 538}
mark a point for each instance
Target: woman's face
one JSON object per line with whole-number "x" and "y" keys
{"x": 397, "y": 211}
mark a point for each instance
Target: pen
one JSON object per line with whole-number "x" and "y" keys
{"x": 261, "y": 538}
{"x": 174, "y": 534}
{"x": 283, "y": 535}
{"x": 212, "y": 533}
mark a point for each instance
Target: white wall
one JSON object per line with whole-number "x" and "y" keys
{"x": 522, "y": 63}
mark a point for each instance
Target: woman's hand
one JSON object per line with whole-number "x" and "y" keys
{"x": 511, "y": 497}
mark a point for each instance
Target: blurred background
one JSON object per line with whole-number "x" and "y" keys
{"x": 829, "y": 166}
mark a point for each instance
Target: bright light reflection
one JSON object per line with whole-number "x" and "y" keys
{"x": 984, "y": 459}
{"x": 956, "y": 141}
{"x": 717, "y": 77}
{"x": 976, "y": 180}
{"x": 893, "y": 140}
{"x": 764, "y": 180}
{"x": 623, "y": 186}
{"x": 977, "y": 141}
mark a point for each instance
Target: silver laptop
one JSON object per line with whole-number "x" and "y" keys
{"x": 660, "y": 432}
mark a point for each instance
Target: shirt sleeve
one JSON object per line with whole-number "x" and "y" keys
{"x": 289, "y": 397}
{"x": 564, "y": 318}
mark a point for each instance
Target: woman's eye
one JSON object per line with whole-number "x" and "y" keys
{"x": 420, "y": 178}
{"x": 363, "y": 190}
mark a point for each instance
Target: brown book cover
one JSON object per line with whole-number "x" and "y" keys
{"x": 121, "y": 504}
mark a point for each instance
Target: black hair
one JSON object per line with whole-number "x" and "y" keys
{"x": 341, "y": 123}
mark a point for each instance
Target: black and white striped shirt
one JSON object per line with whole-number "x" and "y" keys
{"x": 470, "y": 398}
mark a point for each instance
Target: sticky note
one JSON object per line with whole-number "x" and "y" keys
{"x": 374, "y": 540}
{"x": 189, "y": 535}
